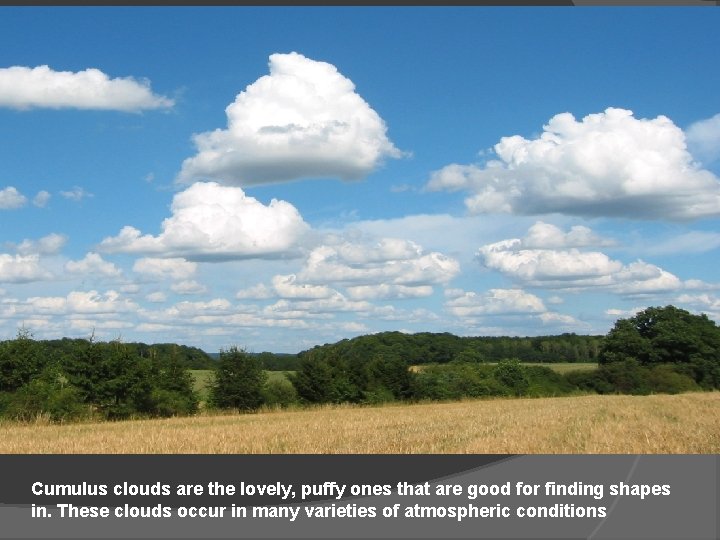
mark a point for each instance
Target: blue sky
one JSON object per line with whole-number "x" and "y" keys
{"x": 277, "y": 178}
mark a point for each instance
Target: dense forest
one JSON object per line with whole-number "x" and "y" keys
{"x": 430, "y": 348}
{"x": 440, "y": 348}
{"x": 660, "y": 350}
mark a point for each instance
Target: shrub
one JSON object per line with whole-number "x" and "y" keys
{"x": 279, "y": 392}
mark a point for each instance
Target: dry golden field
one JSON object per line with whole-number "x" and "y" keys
{"x": 686, "y": 423}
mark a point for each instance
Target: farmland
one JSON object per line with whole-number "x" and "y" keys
{"x": 668, "y": 424}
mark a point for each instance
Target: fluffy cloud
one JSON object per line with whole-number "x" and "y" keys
{"x": 495, "y": 302}
{"x": 607, "y": 164}
{"x": 546, "y": 235}
{"x": 25, "y": 88}
{"x": 302, "y": 120}
{"x": 160, "y": 268}
{"x": 11, "y": 198}
{"x": 257, "y": 292}
{"x": 703, "y": 138}
{"x": 82, "y": 302}
{"x": 21, "y": 268}
{"x": 188, "y": 286}
{"x": 214, "y": 222}
{"x": 389, "y": 261}
{"x": 576, "y": 269}
{"x": 546, "y": 265}
{"x": 47, "y": 245}
{"x": 287, "y": 287}
{"x": 93, "y": 264}
{"x": 386, "y": 292}
{"x": 41, "y": 199}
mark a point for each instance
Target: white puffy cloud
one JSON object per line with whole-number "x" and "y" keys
{"x": 559, "y": 319}
{"x": 616, "y": 313}
{"x": 607, "y": 164}
{"x": 82, "y": 302}
{"x": 157, "y": 297}
{"x": 93, "y": 264}
{"x": 214, "y": 222}
{"x": 287, "y": 287}
{"x": 22, "y": 268}
{"x": 256, "y": 292}
{"x": 94, "y": 302}
{"x": 188, "y": 286}
{"x": 47, "y": 245}
{"x": 704, "y": 303}
{"x": 389, "y": 261}
{"x": 11, "y": 198}
{"x": 41, "y": 199}
{"x": 495, "y": 302}
{"x": 703, "y": 139}
{"x": 302, "y": 120}
{"x": 386, "y": 291}
{"x": 545, "y": 265}
{"x": 576, "y": 269}
{"x": 177, "y": 268}
{"x": 548, "y": 236}
{"x": 42, "y": 87}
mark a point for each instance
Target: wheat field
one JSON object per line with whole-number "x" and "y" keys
{"x": 678, "y": 424}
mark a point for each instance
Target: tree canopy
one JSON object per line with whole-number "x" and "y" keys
{"x": 667, "y": 335}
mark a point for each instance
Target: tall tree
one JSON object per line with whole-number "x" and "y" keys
{"x": 239, "y": 381}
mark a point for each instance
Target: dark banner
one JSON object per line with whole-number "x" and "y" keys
{"x": 359, "y": 496}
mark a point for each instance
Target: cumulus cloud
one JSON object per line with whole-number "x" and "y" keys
{"x": 576, "y": 269}
{"x": 93, "y": 264}
{"x": 546, "y": 235}
{"x": 177, "y": 268}
{"x": 157, "y": 297}
{"x": 302, "y": 120}
{"x": 546, "y": 265}
{"x": 287, "y": 287}
{"x": 42, "y": 87}
{"x": 41, "y": 199}
{"x": 703, "y": 139}
{"x": 47, "y": 245}
{"x": 388, "y": 261}
{"x": 214, "y": 222}
{"x": 21, "y": 268}
{"x": 607, "y": 164}
{"x": 256, "y": 292}
{"x": 704, "y": 303}
{"x": 386, "y": 291}
{"x": 188, "y": 286}
{"x": 495, "y": 302}
{"x": 11, "y": 198}
{"x": 82, "y": 302}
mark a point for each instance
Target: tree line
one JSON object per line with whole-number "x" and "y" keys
{"x": 73, "y": 378}
{"x": 660, "y": 350}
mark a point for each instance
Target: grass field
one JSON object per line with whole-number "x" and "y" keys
{"x": 559, "y": 367}
{"x": 203, "y": 377}
{"x": 677, "y": 424}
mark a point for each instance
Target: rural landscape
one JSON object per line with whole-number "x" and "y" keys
{"x": 649, "y": 386}
{"x": 359, "y": 229}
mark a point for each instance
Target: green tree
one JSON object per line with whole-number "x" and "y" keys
{"x": 173, "y": 392}
{"x": 667, "y": 335}
{"x": 239, "y": 381}
{"x": 20, "y": 359}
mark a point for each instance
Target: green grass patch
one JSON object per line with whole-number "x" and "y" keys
{"x": 203, "y": 378}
